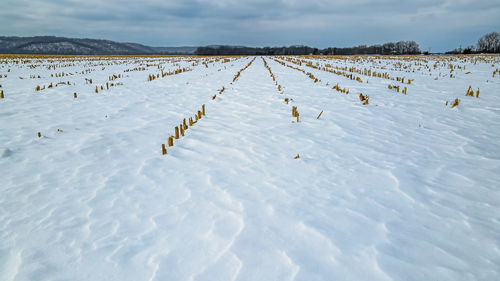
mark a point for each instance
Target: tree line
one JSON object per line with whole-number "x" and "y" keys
{"x": 398, "y": 48}
{"x": 489, "y": 43}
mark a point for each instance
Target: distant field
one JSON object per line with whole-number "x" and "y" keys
{"x": 249, "y": 168}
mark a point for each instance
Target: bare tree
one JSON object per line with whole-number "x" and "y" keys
{"x": 489, "y": 43}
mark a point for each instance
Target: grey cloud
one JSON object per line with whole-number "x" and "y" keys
{"x": 433, "y": 23}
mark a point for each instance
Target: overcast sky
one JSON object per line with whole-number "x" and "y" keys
{"x": 438, "y": 25}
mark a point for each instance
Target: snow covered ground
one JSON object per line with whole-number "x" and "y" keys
{"x": 404, "y": 188}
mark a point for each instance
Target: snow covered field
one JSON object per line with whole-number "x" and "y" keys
{"x": 402, "y": 188}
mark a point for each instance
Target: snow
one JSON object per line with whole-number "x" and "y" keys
{"x": 404, "y": 188}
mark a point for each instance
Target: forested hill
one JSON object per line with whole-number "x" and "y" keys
{"x": 74, "y": 46}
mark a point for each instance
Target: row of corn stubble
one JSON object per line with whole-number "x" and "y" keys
{"x": 179, "y": 131}
{"x": 295, "y": 112}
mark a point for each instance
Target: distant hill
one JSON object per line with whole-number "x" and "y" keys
{"x": 52, "y": 45}
{"x": 73, "y": 46}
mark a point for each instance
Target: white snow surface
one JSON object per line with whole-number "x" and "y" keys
{"x": 404, "y": 188}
